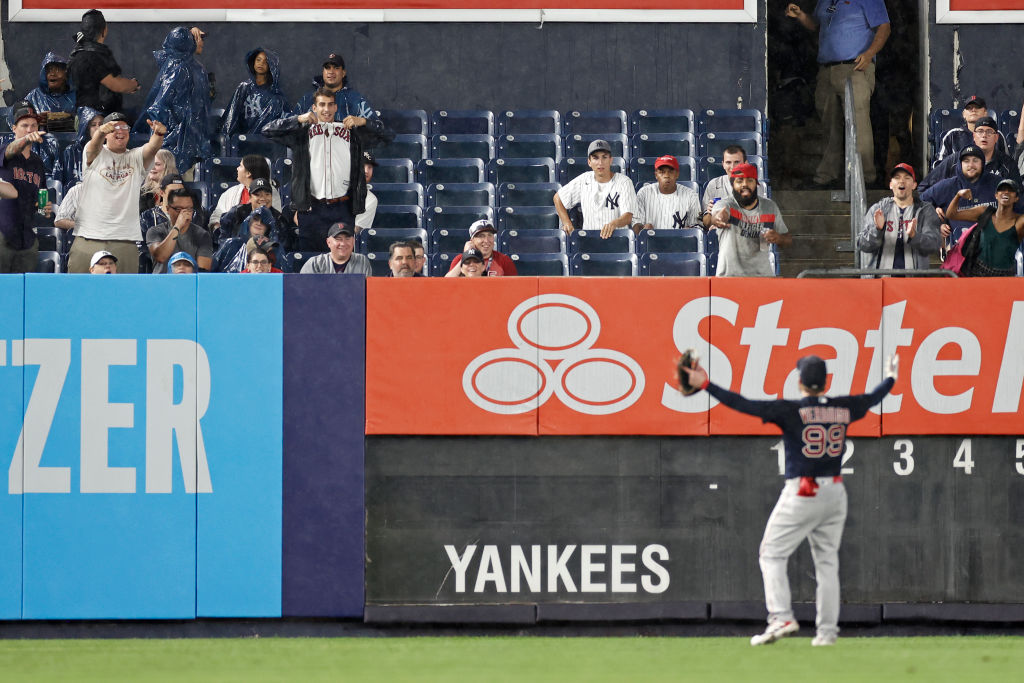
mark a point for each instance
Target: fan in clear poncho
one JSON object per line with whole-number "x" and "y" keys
{"x": 259, "y": 99}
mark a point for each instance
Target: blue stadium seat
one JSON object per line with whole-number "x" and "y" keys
{"x": 658, "y": 144}
{"x": 397, "y": 194}
{"x": 684, "y": 240}
{"x": 621, "y": 265}
{"x": 523, "y": 146}
{"x": 456, "y": 218}
{"x": 471, "y": 121}
{"x": 528, "y": 218}
{"x": 641, "y": 169}
{"x": 532, "y": 170}
{"x": 693, "y": 185}
{"x": 380, "y": 239}
{"x": 281, "y": 171}
{"x": 713, "y": 144}
{"x": 732, "y": 121}
{"x": 405, "y": 121}
{"x": 661, "y": 121}
{"x": 439, "y": 264}
{"x": 393, "y": 171}
{"x": 530, "y": 121}
{"x": 430, "y": 171}
{"x": 445, "y": 241}
{"x": 50, "y": 239}
{"x": 201, "y": 190}
{"x": 49, "y": 262}
{"x": 297, "y": 259}
{"x": 411, "y": 147}
{"x": 673, "y": 264}
{"x": 576, "y": 144}
{"x": 1009, "y": 122}
{"x": 571, "y": 167}
{"x": 405, "y": 217}
{"x": 711, "y": 251}
{"x": 711, "y": 167}
{"x": 5, "y": 124}
{"x": 527, "y": 194}
{"x": 541, "y": 264}
{"x": 531, "y": 242}
{"x": 217, "y": 189}
{"x": 379, "y": 263}
{"x": 220, "y": 170}
{"x": 460, "y": 194}
{"x": 942, "y": 120}
{"x": 251, "y": 143}
{"x": 606, "y": 122}
{"x": 462, "y": 146}
{"x": 55, "y": 190}
{"x": 621, "y": 241}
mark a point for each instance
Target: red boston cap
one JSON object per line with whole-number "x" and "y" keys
{"x": 744, "y": 171}
{"x": 904, "y": 167}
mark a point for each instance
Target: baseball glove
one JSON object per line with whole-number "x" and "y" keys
{"x": 687, "y": 360}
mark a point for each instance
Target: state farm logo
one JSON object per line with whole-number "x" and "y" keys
{"x": 554, "y": 335}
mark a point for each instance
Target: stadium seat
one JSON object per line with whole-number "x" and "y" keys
{"x": 658, "y": 144}
{"x": 5, "y": 124}
{"x": 473, "y": 121}
{"x": 606, "y": 122}
{"x": 661, "y": 121}
{"x": 571, "y": 167}
{"x": 531, "y": 242}
{"x": 56, "y": 190}
{"x": 711, "y": 167}
{"x": 614, "y": 265}
{"x": 528, "y": 218}
{"x": 541, "y": 264}
{"x": 685, "y": 240}
{"x": 404, "y": 121}
{"x": 393, "y": 171}
{"x": 250, "y": 143}
{"x": 460, "y": 194}
{"x": 942, "y": 120}
{"x": 397, "y": 194}
{"x": 220, "y": 170}
{"x": 411, "y": 147}
{"x": 673, "y": 264}
{"x": 693, "y": 185}
{"x": 530, "y": 121}
{"x": 621, "y": 241}
{"x": 201, "y": 190}
{"x": 576, "y": 144}
{"x": 641, "y": 169}
{"x": 49, "y": 262}
{"x": 439, "y": 264}
{"x": 532, "y": 170}
{"x": 380, "y": 239}
{"x": 405, "y": 217}
{"x": 281, "y": 171}
{"x": 711, "y": 251}
{"x": 1009, "y": 122}
{"x": 379, "y": 263}
{"x": 445, "y": 241}
{"x": 50, "y": 239}
{"x": 456, "y": 217}
{"x": 1019, "y": 258}
{"x": 713, "y": 144}
{"x": 430, "y": 171}
{"x": 296, "y": 259}
{"x": 523, "y": 146}
{"x": 732, "y": 121}
{"x": 462, "y": 146}
{"x": 527, "y": 194}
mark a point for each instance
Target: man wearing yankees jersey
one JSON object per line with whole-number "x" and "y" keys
{"x": 666, "y": 204}
{"x": 328, "y": 182}
{"x": 899, "y": 231}
{"x": 747, "y": 224}
{"x": 606, "y": 198}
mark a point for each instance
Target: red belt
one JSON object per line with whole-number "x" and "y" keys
{"x": 809, "y": 486}
{"x": 331, "y": 201}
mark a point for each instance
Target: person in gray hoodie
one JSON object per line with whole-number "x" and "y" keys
{"x": 900, "y": 232}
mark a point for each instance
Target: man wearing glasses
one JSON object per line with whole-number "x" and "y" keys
{"x": 176, "y": 231}
{"x": 850, "y": 34}
{"x": 997, "y": 162}
{"x": 108, "y": 205}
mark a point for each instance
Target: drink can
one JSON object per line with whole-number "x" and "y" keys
{"x": 44, "y": 198}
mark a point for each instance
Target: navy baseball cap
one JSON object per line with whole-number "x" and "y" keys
{"x": 472, "y": 255}
{"x": 987, "y": 121}
{"x": 115, "y": 116}
{"x": 812, "y": 372}
{"x": 340, "y": 229}
{"x": 260, "y": 185}
{"x": 335, "y": 59}
{"x": 172, "y": 179}
{"x": 972, "y": 151}
{"x": 975, "y": 101}
{"x": 1010, "y": 183}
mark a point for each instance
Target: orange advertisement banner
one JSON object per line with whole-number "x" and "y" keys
{"x": 596, "y": 355}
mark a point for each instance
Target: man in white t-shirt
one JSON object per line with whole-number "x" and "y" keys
{"x": 108, "y": 205}
{"x": 666, "y": 204}
{"x": 606, "y": 198}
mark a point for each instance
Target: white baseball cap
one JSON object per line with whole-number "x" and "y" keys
{"x": 100, "y": 255}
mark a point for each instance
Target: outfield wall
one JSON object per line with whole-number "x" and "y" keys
{"x": 194, "y": 446}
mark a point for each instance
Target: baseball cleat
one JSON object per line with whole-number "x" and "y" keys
{"x": 775, "y": 630}
{"x": 822, "y": 639}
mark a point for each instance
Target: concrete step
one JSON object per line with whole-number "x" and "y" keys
{"x": 822, "y": 247}
{"x": 816, "y": 224}
{"x": 791, "y": 267}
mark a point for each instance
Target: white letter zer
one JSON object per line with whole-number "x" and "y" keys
{"x": 99, "y": 416}
{"x": 53, "y": 356}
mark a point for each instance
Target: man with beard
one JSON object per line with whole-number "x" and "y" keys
{"x": 968, "y": 176}
{"x": 748, "y": 225}
{"x": 93, "y": 69}
{"x": 402, "y": 260}
{"x": 353, "y": 109}
{"x": 898, "y": 231}
{"x": 997, "y": 163}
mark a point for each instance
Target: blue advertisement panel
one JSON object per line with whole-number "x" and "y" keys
{"x": 12, "y": 331}
{"x": 238, "y": 550}
{"x": 111, "y": 473}
{"x": 324, "y": 416}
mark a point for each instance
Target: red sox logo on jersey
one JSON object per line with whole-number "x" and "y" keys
{"x": 329, "y": 129}
{"x": 553, "y": 336}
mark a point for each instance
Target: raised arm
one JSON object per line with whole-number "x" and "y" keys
{"x": 155, "y": 142}
{"x": 954, "y": 213}
{"x": 806, "y": 20}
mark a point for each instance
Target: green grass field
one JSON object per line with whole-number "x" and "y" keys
{"x": 967, "y": 659}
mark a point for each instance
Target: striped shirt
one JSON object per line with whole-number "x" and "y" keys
{"x": 601, "y": 203}
{"x": 330, "y": 160}
{"x": 680, "y": 209}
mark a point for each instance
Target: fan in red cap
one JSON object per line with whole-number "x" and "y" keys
{"x": 665, "y": 204}
{"x": 900, "y": 232}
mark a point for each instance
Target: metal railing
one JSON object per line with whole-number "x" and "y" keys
{"x": 855, "y": 192}
{"x": 875, "y": 272}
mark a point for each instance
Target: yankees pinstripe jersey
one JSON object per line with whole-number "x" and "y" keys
{"x": 601, "y": 203}
{"x": 742, "y": 250}
{"x": 680, "y": 209}
{"x": 330, "y": 161}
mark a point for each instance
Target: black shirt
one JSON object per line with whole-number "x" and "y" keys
{"x": 89, "y": 64}
{"x": 17, "y": 216}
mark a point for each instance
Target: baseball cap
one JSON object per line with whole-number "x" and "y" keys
{"x": 99, "y": 256}
{"x": 1010, "y": 183}
{"x": 335, "y": 59}
{"x": 667, "y": 160}
{"x": 976, "y": 101}
{"x": 260, "y": 185}
{"x": 903, "y": 167}
{"x": 812, "y": 372}
{"x": 744, "y": 171}
{"x": 182, "y": 256}
{"x": 986, "y": 121}
{"x": 115, "y": 116}
{"x": 599, "y": 146}
{"x": 369, "y": 159}
{"x": 479, "y": 226}
{"x": 472, "y": 255}
{"x": 972, "y": 151}
{"x": 21, "y": 110}
{"x": 340, "y": 229}
{"x": 173, "y": 179}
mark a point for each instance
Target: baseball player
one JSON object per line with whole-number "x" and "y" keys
{"x": 666, "y": 204}
{"x": 812, "y": 504}
{"x": 606, "y": 198}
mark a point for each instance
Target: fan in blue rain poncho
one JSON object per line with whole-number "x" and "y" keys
{"x": 180, "y": 98}
{"x": 259, "y": 99}
{"x": 54, "y": 92}
{"x": 89, "y": 120}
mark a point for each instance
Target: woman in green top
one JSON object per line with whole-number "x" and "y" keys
{"x": 1001, "y": 230}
